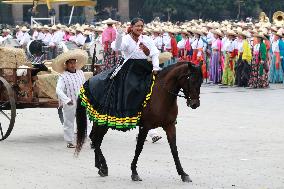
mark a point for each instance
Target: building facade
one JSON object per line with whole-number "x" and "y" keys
{"x": 122, "y": 10}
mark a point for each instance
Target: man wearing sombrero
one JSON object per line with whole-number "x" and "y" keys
{"x": 68, "y": 85}
{"x": 109, "y": 34}
{"x": 26, "y": 36}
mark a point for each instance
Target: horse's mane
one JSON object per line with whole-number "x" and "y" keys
{"x": 165, "y": 71}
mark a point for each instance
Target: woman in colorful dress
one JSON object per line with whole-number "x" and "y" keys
{"x": 242, "y": 67}
{"x": 122, "y": 91}
{"x": 275, "y": 70}
{"x": 228, "y": 77}
{"x": 281, "y": 49}
{"x": 259, "y": 76}
{"x": 215, "y": 61}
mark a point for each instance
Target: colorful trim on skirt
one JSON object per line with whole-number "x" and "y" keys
{"x": 119, "y": 123}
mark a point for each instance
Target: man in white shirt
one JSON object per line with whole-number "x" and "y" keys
{"x": 41, "y": 34}
{"x": 47, "y": 38}
{"x": 158, "y": 39}
{"x": 19, "y": 33}
{"x": 26, "y": 36}
{"x": 80, "y": 38}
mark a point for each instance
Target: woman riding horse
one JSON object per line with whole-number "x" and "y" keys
{"x": 129, "y": 96}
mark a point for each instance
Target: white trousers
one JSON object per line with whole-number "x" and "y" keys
{"x": 69, "y": 112}
{"x": 69, "y": 126}
{"x": 152, "y": 133}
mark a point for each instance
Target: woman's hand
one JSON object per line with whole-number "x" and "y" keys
{"x": 144, "y": 49}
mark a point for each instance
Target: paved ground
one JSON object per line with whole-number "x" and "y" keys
{"x": 233, "y": 141}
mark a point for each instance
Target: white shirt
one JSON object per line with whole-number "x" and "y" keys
{"x": 80, "y": 39}
{"x": 275, "y": 46}
{"x": 210, "y": 37}
{"x": 240, "y": 46}
{"x": 194, "y": 43}
{"x": 158, "y": 41}
{"x": 25, "y": 39}
{"x": 47, "y": 39}
{"x": 1, "y": 40}
{"x": 19, "y": 35}
{"x": 131, "y": 50}
{"x": 100, "y": 39}
{"x": 224, "y": 42}
{"x": 56, "y": 38}
{"x": 181, "y": 43}
{"x": 35, "y": 35}
{"x": 40, "y": 36}
{"x": 68, "y": 86}
{"x": 72, "y": 38}
{"x": 229, "y": 46}
{"x": 256, "y": 48}
{"x": 167, "y": 41}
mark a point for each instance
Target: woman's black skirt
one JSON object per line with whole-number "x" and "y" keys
{"x": 118, "y": 102}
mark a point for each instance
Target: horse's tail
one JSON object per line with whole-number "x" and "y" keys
{"x": 81, "y": 119}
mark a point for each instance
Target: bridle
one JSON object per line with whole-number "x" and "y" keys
{"x": 187, "y": 97}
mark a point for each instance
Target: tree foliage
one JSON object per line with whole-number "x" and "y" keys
{"x": 211, "y": 9}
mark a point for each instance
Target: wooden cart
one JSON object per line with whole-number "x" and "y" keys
{"x": 18, "y": 92}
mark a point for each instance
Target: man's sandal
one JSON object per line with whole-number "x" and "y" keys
{"x": 70, "y": 145}
{"x": 156, "y": 138}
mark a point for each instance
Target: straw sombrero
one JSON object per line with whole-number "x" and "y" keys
{"x": 165, "y": 56}
{"x": 261, "y": 35}
{"x": 197, "y": 31}
{"x": 81, "y": 56}
{"x": 109, "y": 21}
{"x": 54, "y": 27}
{"x": 279, "y": 33}
{"x": 230, "y": 32}
{"x": 24, "y": 28}
{"x": 217, "y": 32}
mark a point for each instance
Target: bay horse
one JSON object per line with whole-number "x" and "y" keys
{"x": 161, "y": 111}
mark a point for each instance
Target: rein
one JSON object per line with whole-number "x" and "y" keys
{"x": 173, "y": 93}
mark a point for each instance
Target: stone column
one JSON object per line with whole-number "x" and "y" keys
{"x": 56, "y": 8}
{"x": 17, "y": 11}
{"x": 89, "y": 14}
{"x": 123, "y": 9}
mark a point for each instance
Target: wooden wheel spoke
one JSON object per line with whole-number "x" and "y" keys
{"x": 5, "y": 115}
{"x": 7, "y": 109}
{"x": 1, "y": 131}
{"x": 3, "y": 105}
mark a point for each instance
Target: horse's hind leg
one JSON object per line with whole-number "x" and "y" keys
{"x": 171, "y": 135}
{"x": 97, "y": 134}
{"x": 139, "y": 146}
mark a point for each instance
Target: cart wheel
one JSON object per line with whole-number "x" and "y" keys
{"x": 7, "y": 109}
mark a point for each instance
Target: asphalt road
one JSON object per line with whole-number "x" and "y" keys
{"x": 234, "y": 140}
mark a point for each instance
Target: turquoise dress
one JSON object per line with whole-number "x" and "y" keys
{"x": 281, "y": 48}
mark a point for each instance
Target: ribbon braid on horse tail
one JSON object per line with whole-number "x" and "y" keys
{"x": 182, "y": 79}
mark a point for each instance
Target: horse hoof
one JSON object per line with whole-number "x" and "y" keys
{"x": 103, "y": 173}
{"x": 185, "y": 178}
{"x": 135, "y": 178}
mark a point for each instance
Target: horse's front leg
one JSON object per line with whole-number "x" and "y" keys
{"x": 171, "y": 135}
{"x": 97, "y": 135}
{"x": 139, "y": 146}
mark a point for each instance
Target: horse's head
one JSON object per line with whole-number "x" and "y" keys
{"x": 190, "y": 81}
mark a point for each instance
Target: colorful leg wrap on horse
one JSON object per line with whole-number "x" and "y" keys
{"x": 111, "y": 120}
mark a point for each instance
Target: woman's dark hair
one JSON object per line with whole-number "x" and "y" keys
{"x": 135, "y": 20}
